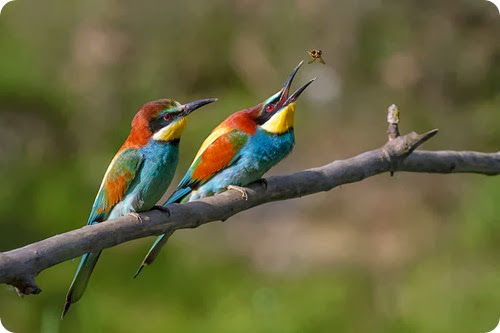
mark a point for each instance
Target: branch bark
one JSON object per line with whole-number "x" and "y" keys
{"x": 19, "y": 267}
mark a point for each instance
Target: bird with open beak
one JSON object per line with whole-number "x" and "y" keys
{"x": 239, "y": 151}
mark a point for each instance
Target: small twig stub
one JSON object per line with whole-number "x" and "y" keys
{"x": 393, "y": 121}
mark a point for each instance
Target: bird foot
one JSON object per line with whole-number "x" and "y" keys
{"x": 240, "y": 189}
{"x": 162, "y": 209}
{"x": 263, "y": 181}
{"x": 137, "y": 216}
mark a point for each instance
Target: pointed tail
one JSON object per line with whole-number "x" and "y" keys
{"x": 153, "y": 251}
{"x": 177, "y": 196}
{"x": 82, "y": 276}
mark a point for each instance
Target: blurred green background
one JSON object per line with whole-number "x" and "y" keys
{"x": 73, "y": 74}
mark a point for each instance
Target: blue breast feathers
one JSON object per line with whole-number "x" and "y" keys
{"x": 152, "y": 180}
{"x": 260, "y": 153}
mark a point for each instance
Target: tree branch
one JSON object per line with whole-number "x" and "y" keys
{"x": 19, "y": 267}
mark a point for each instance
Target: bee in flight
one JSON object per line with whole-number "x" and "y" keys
{"x": 316, "y": 54}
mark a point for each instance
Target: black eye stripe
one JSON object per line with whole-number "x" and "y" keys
{"x": 163, "y": 120}
{"x": 172, "y": 114}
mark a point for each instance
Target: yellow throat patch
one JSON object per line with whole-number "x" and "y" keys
{"x": 282, "y": 121}
{"x": 171, "y": 132}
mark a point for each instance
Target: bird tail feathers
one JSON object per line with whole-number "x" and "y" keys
{"x": 81, "y": 279}
{"x": 153, "y": 251}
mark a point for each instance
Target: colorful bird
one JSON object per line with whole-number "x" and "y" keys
{"x": 138, "y": 175}
{"x": 238, "y": 152}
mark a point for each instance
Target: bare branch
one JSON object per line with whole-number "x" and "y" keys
{"x": 19, "y": 267}
{"x": 448, "y": 161}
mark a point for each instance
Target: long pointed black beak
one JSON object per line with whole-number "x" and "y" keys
{"x": 297, "y": 92}
{"x": 286, "y": 87}
{"x": 191, "y": 106}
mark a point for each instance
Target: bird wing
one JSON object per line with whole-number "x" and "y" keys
{"x": 217, "y": 152}
{"x": 117, "y": 179}
{"x": 220, "y": 149}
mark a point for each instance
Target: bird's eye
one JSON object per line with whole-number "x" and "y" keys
{"x": 270, "y": 107}
{"x": 167, "y": 116}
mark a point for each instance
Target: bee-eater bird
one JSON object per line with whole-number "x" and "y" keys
{"x": 239, "y": 151}
{"x": 138, "y": 175}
